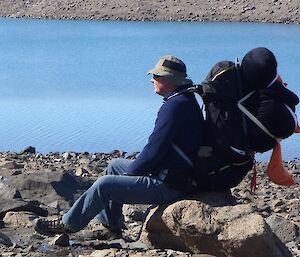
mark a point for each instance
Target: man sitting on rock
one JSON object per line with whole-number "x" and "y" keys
{"x": 160, "y": 173}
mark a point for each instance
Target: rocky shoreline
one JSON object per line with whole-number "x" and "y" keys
{"x": 271, "y": 11}
{"x": 34, "y": 185}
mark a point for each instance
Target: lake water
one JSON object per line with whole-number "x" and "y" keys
{"x": 83, "y": 85}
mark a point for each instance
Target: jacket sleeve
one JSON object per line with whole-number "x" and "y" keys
{"x": 159, "y": 142}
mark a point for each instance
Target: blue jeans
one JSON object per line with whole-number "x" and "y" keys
{"x": 107, "y": 195}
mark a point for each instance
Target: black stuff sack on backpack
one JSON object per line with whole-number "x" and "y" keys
{"x": 271, "y": 103}
{"x": 248, "y": 110}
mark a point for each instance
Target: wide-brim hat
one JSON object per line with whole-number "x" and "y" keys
{"x": 172, "y": 69}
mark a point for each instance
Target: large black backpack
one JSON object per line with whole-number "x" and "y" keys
{"x": 233, "y": 122}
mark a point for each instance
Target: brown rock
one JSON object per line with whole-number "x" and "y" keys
{"x": 17, "y": 219}
{"x": 204, "y": 227}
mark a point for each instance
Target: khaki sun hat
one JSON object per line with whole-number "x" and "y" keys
{"x": 172, "y": 69}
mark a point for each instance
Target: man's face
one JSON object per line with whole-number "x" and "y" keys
{"x": 162, "y": 86}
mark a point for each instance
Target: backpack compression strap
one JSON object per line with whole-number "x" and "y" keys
{"x": 253, "y": 118}
{"x": 256, "y": 121}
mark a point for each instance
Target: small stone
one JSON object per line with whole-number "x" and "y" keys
{"x": 137, "y": 215}
{"x": 80, "y": 171}
{"x": 277, "y": 203}
{"x": 55, "y": 205}
{"x": 16, "y": 172}
{"x": 102, "y": 253}
{"x": 137, "y": 245}
{"x": 61, "y": 240}
{"x": 66, "y": 155}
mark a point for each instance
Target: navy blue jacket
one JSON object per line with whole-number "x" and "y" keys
{"x": 179, "y": 121}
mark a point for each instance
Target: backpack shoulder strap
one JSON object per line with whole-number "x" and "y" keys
{"x": 182, "y": 155}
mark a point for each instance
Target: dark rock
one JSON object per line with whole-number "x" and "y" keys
{"x": 138, "y": 215}
{"x": 61, "y": 240}
{"x": 132, "y": 156}
{"x": 5, "y": 240}
{"x": 7, "y": 205}
{"x": 16, "y": 172}
{"x": 117, "y": 154}
{"x": 29, "y": 149}
{"x": 1, "y": 224}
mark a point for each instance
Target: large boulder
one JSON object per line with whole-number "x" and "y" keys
{"x": 208, "y": 225}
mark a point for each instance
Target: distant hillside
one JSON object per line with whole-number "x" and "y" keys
{"x": 279, "y": 11}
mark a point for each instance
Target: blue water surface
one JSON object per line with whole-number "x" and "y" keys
{"x": 83, "y": 85}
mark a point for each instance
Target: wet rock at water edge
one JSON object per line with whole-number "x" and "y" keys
{"x": 29, "y": 149}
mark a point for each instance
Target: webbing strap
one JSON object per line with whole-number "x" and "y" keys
{"x": 253, "y": 118}
{"x": 253, "y": 181}
{"x": 273, "y": 81}
{"x": 192, "y": 89}
{"x": 293, "y": 115}
{"x": 239, "y": 151}
{"x": 183, "y": 155}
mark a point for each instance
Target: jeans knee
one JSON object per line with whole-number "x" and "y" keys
{"x": 103, "y": 185}
{"x": 112, "y": 167}
{"x": 117, "y": 166}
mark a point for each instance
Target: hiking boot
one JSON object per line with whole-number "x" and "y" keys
{"x": 51, "y": 227}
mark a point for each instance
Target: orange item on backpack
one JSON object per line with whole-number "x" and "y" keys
{"x": 276, "y": 171}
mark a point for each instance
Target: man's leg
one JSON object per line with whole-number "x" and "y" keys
{"x": 112, "y": 216}
{"x": 120, "y": 190}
